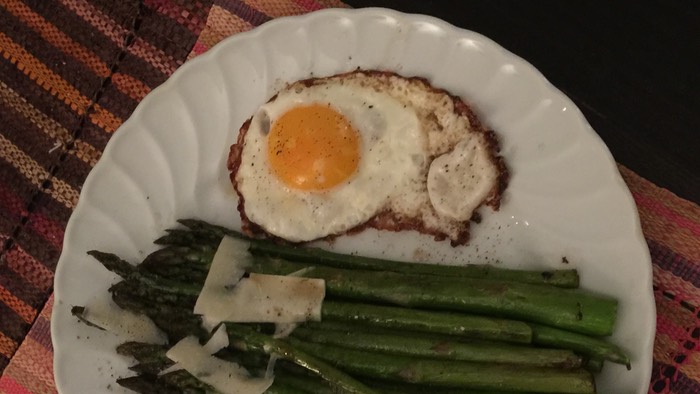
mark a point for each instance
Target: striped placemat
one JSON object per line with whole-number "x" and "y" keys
{"x": 71, "y": 71}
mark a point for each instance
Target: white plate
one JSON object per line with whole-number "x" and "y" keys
{"x": 566, "y": 197}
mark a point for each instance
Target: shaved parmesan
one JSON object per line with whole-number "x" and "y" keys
{"x": 227, "y": 268}
{"x": 270, "y": 299}
{"x": 259, "y": 298}
{"x": 226, "y": 377}
{"x": 173, "y": 368}
{"x": 270, "y": 370}
{"x": 217, "y": 341}
{"x": 104, "y": 313}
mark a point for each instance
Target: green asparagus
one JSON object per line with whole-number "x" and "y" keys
{"x": 247, "y": 339}
{"x": 149, "y": 384}
{"x": 151, "y": 358}
{"x": 444, "y": 373}
{"x": 440, "y": 347}
{"x": 315, "y": 256}
{"x": 469, "y": 326}
{"x": 130, "y": 272}
{"x": 567, "y": 278}
{"x": 595, "y": 348}
{"x": 166, "y": 284}
{"x": 177, "y": 321}
{"x": 389, "y": 387}
{"x": 570, "y": 309}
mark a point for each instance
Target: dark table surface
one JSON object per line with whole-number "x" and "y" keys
{"x": 632, "y": 69}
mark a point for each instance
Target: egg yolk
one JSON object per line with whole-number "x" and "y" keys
{"x": 313, "y": 147}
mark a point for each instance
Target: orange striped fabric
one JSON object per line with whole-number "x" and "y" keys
{"x": 71, "y": 71}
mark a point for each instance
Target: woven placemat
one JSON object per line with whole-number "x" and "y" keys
{"x": 72, "y": 71}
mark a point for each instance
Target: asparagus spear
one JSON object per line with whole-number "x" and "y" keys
{"x": 177, "y": 321}
{"x": 186, "y": 382}
{"x": 127, "y": 271}
{"x": 247, "y": 339}
{"x": 310, "y": 384}
{"x": 151, "y": 358}
{"x": 178, "y": 382}
{"x": 596, "y": 348}
{"x": 440, "y": 347}
{"x": 388, "y": 387}
{"x": 180, "y": 262}
{"x": 148, "y": 384}
{"x": 188, "y": 238}
{"x": 563, "y": 278}
{"x": 209, "y": 229}
{"x": 469, "y": 326}
{"x": 570, "y": 309}
{"x": 286, "y": 380}
{"x": 459, "y": 374}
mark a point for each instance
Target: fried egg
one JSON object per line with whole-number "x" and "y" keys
{"x": 329, "y": 155}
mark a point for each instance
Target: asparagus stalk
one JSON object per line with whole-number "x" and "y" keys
{"x": 209, "y": 229}
{"x": 176, "y": 320}
{"x": 151, "y": 358}
{"x": 569, "y": 309}
{"x": 458, "y": 374}
{"x": 186, "y": 382}
{"x": 563, "y": 278}
{"x": 387, "y": 387}
{"x": 188, "y": 238}
{"x": 148, "y": 384}
{"x": 247, "y": 339}
{"x": 178, "y": 382}
{"x": 127, "y": 271}
{"x": 310, "y": 384}
{"x": 180, "y": 262}
{"x": 440, "y": 347}
{"x": 595, "y": 348}
{"x": 468, "y": 326}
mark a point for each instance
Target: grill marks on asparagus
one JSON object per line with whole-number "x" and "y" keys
{"x": 166, "y": 284}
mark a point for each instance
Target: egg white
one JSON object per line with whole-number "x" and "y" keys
{"x": 392, "y": 152}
